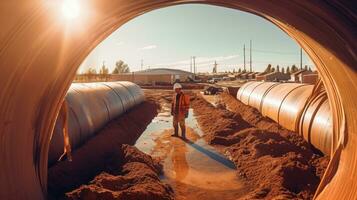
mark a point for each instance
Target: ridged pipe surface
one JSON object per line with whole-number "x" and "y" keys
{"x": 90, "y": 107}
{"x": 287, "y": 104}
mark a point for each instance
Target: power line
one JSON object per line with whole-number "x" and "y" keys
{"x": 274, "y": 52}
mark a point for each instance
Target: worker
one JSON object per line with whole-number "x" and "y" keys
{"x": 179, "y": 110}
{"x": 66, "y": 144}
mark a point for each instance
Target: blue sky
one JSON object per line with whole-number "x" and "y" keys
{"x": 168, "y": 37}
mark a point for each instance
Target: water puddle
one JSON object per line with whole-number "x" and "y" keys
{"x": 193, "y": 168}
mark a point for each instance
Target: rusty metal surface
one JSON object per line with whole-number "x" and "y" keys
{"x": 91, "y": 106}
{"x": 285, "y": 104}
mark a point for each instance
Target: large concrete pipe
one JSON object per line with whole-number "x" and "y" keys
{"x": 289, "y": 105}
{"x": 40, "y": 52}
{"x": 90, "y": 107}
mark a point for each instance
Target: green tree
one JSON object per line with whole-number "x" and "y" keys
{"x": 283, "y": 70}
{"x": 288, "y": 70}
{"x": 239, "y": 70}
{"x": 104, "y": 70}
{"x": 294, "y": 69}
{"x": 91, "y": 71}
{"x": 121, "y": 67}
{"x": 268, "y": 69}
{"x": 277, "y": 68}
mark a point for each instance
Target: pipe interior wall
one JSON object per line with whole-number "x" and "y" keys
{"x": 40, "y": 53}
{"x": 90, "y": 107}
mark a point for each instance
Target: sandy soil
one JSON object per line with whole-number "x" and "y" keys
{"x": 131, "y": 175}
{"x": 104, "y": 160}
{"x": 277, "y": 163}
{"x": 272, "y": 162}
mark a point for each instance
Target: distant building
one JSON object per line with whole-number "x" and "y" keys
{"x": 252, "y": 75}
{"x": 298, "y": 75}
{"x": 272, "y": 76}
{"x": 310, "y": 78}
{"x": 155, "y": 76}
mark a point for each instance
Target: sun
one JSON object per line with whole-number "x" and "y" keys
{"x": 70, "y": 9}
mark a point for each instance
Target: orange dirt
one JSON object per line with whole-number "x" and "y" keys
{"x": 277, "y": 163}
{"x": 132, "y": 175}
{"x": 104, "y": 159}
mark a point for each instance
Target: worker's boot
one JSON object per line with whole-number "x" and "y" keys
{"x": 183, "y": 131}
{"x": 175, "y": 132}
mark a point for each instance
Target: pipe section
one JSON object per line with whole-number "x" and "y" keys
{"x": 90, "y": 107}
{"x": 292, "y": 105}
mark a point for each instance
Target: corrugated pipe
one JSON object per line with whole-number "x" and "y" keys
{"x": 301, "y": 108}
{"x": 90, "y": 107}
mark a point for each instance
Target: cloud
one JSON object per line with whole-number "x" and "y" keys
{"x": 148, "y": 47}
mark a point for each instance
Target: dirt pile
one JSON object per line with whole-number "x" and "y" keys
{"x": 130, "y": 175}
{"x": 97, "y": 154}
{"x": 217, "y": 123}
{"x": 276, "y": 162}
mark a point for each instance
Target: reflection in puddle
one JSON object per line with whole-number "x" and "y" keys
{"x": 193, "y": 168}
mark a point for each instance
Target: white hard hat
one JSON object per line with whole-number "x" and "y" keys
{"x": 177, "y": 85}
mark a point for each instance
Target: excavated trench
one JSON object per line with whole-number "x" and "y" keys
{"x": 192, "y": 167}
{"x": 225, "y": 156}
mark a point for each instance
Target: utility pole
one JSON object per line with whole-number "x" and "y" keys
{"x": 215, "y": 67}
{"x": 142, "y": 64}
{"x": 194, "y": 64}
{"x": 244, "y": 56}
{"x": 191, "y": 64}
{"x": 250, "y": 56}
{"x": 300, "y": 58}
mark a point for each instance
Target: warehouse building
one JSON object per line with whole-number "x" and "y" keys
{"x": 273, "y": 76}
{"x": 157, "y": 76}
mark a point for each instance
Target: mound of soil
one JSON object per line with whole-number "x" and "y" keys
{"x": 130, "y": 175}
{"x": 97, "y": 154}
{"x": 277, "y": 163}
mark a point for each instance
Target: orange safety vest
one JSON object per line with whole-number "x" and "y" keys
{"x": 184, "y": 105}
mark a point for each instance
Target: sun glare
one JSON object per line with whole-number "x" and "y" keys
{"x": 70, "y": 9}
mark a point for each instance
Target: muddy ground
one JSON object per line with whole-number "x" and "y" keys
{"x": 274, "y": 163}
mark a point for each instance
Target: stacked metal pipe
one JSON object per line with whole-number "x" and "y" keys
{"x": 295, "y": 107}
{"x": 90, "y": 107}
